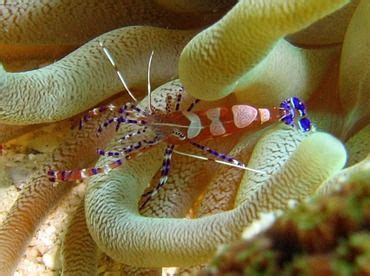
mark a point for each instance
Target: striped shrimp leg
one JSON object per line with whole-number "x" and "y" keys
{"x": 128, "y": 150}
{"x": 165, "y": 170}
{"x": 95, "y": 112}
{"x": 74, "y": 175}
{"x": 127, "y": 153}
{"x": 223, "y": 158}
{"x": 128, "y": 109}
{"x": 133, "y": 134}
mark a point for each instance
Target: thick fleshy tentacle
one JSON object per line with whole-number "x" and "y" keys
{"x": 303, "y": 71}
{"x": 173, "y": 200}
{"x": 183, "y": 187}
{"x": 152, "y": 242}
{"x": 354, "y": 81}
{"x": 85, "y": 77}
{"x": 39, "y": 195}
{"x": 222, "y": 189}
{"x": 326, "y": 31}
{"x": 40, "y": 29}
{"x": 359, "y": 172}
{"x": 326, "y": 111}
{"x": 195, "y": 7}
{"x": 226, "y": 52}
{"x": 358, "y": 146}
{"x": 76, "y": 261}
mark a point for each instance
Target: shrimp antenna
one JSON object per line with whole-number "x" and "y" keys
{"x": 111, "y": 60}
{"x": 218, "y": 161}
{"x": 149, "y": 87}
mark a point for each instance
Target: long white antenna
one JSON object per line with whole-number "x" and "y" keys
{"x": 149, "y": 87}
{"x": 218, "y": 161}
{"x": 176, "y": 125}
{"x": 111, "y": 60}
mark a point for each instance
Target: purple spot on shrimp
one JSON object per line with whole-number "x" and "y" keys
{"x": 299, "y": 106}
{"x": 305, "y": 124}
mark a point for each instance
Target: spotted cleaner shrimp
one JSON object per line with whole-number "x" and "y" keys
{"x": 175, "y": 127}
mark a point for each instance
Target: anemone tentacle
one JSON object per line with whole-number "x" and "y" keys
{"x": 40, "y": 29}
{"x": 85, "y": 77}
{"x": 224, "y": 52}
{"x": 354, "y": 78}
{"x": 40, "y": 195}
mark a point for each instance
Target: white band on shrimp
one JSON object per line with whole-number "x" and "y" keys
{"x": 216, "y": 128}
{"x": 195, "y": 124}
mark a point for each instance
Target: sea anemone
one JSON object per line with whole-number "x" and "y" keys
{"x": 258, "y": 52}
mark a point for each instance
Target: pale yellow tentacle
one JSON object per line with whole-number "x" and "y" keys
{"x": 292, "y": 176}
{"x": 226, "y": 51}
{"x": 329, "y": 30}
{"x": 325, "y": 109}
{"x": 40, "y": 195}
{"x": 85, "y": 77}
{"x": 119, "y": 230}
{"x": 354, "y": 82}
{"x": 358, "y": 146}
{"x": 197, "y": 6}
{"x": 359, "y": 172}
{"x": 285, "y": 71}
{"x": 79, "y": 251}
{"x": 39, "y": 29}
{"x": 187, "y": 180}
{"x": 223, "y": 187}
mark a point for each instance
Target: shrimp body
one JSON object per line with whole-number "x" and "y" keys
{"x": 181, "y": 127}
{"x": 211, "y": 123}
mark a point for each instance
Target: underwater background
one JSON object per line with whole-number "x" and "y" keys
{"x": 307, "y": 212}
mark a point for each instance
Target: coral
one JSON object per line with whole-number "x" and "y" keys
{"x": 340, "y": 221}
{"x": 203, "y": 205}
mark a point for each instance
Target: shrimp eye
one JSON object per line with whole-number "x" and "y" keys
{"x": 305, "y": 124}
{"x": 299, "y": 106}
